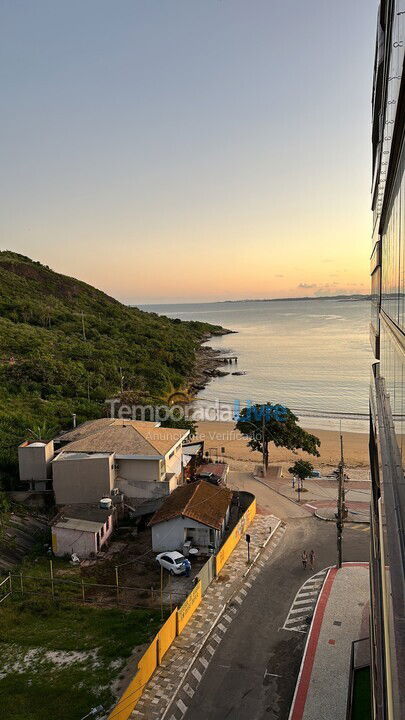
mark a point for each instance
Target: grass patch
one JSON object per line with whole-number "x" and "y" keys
{"x": 59, "y": 659}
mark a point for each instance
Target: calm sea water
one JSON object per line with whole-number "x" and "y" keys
{"x": 312, "y": 356}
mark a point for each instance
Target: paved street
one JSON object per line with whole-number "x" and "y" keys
{"x": 253, "y": 673}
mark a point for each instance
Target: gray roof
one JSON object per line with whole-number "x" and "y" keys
{"x": 125, "y": 437}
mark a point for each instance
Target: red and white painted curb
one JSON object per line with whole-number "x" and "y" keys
{"x": 304, "y": 676}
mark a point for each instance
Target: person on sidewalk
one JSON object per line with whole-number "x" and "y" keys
{"x": 312, "y": 559}
{"x": 293, "y": 482}
{"x": 304, "y": 558}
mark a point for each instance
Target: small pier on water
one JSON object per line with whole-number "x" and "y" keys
{"x": 228, "y": 359}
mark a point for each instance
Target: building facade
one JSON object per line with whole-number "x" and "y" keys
{"x": 139, "y": 459}
{"x": 387, "y": 394}
{"x": 196, "y": 513}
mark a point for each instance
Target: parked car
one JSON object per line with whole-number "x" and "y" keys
{"x": 172, "y": 561}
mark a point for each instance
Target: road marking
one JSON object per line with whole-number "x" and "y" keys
{"x": 181, "y": 705}
{"x": 197, "y": 674}
{"x": 295, "y": 619}
{"x": 307, "y": 594}
{"x": 304, "y": 602}
{"x": 266, "y": 673}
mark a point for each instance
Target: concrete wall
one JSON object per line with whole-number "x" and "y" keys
{"x": 66, "y": 541}
{"x": 139, "y": 470}
{"x": 83, "y": 480}
{"x": 34, "y": 461}
{"x": 145, "y": 489}
{"x": 174, "y": 464}
{"x": 171, "y": 535}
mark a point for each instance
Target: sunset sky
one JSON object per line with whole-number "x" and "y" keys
{"x": 189, "y": 150}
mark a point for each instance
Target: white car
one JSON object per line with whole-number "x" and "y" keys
{"x": 172, "y": 561}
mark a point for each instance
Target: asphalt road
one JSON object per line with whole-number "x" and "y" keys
{"x": 253, "y": 673}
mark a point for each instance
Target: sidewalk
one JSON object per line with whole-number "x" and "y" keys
{"x": 341, "y": 616}
{"x": 265, "y": 531}
{"x": 320, "y": 496}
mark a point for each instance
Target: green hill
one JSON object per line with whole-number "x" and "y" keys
{"x": 63, "y": 344}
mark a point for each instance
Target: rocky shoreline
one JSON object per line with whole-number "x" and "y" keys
{"x": 207, "y": 364}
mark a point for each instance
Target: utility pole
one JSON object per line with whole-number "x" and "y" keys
{"x": 341, "y": 506}
{"x": 84, "y": 329}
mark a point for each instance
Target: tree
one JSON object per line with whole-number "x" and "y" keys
{"x": 274, "y": 423}
{"x": 301, "y": 469}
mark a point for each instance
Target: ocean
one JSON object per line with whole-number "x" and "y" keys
{"x": 311, "y": 355}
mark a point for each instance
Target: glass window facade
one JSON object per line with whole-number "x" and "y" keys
{"x": 393, "y": 252}
{"x": 392, "y": 369}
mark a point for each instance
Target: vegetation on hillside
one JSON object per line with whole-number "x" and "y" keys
{"x": 65, "y": 347}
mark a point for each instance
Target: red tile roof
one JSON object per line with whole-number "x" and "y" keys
{"x": 200, "y": 501}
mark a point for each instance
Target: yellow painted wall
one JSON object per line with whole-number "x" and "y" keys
{"x": 167, "y": 634}
{"x": 236, "y": 534}
{"x": 146, "y": 667}
{"x": 189, "y": 606}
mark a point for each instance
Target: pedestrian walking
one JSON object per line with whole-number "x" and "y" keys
{"x": 312, "y": 559}
{"x": 304, "y": 558}
{"x": 293, "y": 482}
{"x": 187, "y": 567}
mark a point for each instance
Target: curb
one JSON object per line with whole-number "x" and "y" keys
{"x": 193, "y": 659}
{"x": 325, "y": 519}
{"x": 269, "y": 487}
{"x": 214, "y": 623}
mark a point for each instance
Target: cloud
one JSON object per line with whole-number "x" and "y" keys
{"x": 307, "y": 286}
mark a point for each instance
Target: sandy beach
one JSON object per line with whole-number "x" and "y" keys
{"x": 218, "y": 435}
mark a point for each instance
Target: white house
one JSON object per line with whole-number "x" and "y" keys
{"x": 140, "y": 459}
{"x": 81, "y": 530}
{"x": 197, "y": 512}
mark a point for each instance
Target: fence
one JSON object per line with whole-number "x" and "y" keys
{"x": 178, "y": 620}
{"x": 79, "y": 590}
{"x": 5, "y": 588}
{"x": 207, "y": 574}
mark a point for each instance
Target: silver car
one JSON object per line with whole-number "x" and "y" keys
{"x": 172, "y": 561}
